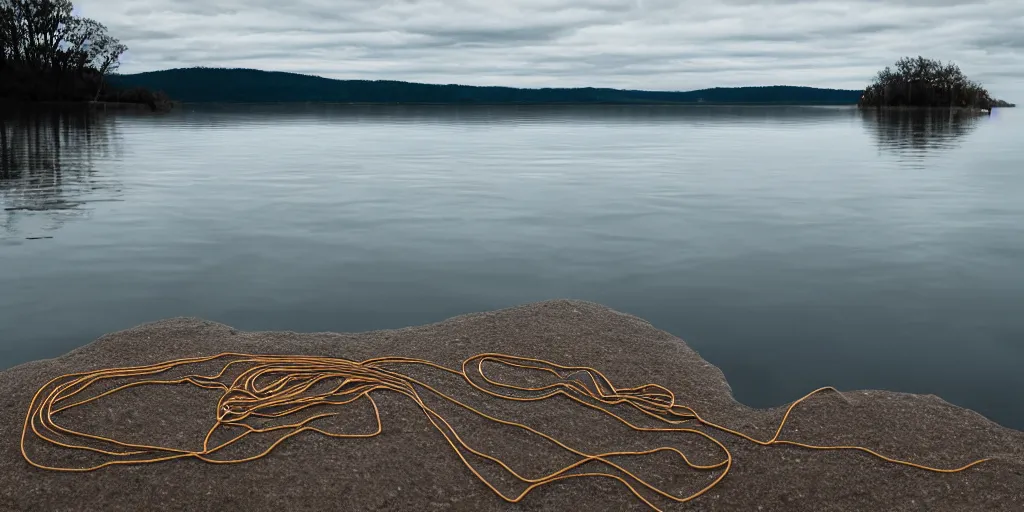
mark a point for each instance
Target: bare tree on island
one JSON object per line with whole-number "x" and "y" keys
{"x": 921, "y": 82}
{"x": 49, "y": 54}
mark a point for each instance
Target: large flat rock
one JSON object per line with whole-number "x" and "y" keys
{"x": 411, "y": 467}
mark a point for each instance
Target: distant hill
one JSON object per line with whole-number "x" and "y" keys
{"x": 196, "y": 85}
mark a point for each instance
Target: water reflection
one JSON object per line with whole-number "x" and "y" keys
{"x": 916, "y": 134}
{"x": 235, "y": 115}
{"x": 47, "y": 172}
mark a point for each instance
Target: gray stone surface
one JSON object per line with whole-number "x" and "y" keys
{"x": 410, "y": 467}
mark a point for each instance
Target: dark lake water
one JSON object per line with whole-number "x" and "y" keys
{"x": 792, "y": 247}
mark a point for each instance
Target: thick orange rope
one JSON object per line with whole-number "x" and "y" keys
{"x": 275, "y": 386}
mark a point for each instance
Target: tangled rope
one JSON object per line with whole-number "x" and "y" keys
{"x": 271, "y": 387}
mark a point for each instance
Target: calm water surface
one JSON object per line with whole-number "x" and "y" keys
{"x": 792, "y": 247}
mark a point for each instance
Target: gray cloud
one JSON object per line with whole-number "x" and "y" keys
{"x": 646, "y": 44}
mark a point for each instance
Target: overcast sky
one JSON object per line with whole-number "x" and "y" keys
{"x": 641, "y": 44}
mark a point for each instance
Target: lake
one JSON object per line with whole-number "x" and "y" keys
{"x": 793, "y": 247}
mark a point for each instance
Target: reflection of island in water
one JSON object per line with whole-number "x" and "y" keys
{"x": 47, "y": 173}
{"x": 918, "y": 133}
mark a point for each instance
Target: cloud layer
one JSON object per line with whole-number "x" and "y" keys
{"x": 644, "y": 44}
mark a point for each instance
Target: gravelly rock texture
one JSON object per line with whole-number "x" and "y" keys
{"x": 411, "y": 467}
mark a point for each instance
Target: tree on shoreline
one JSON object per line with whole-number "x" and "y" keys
{"x": 921, "y": 82}
{"x": 49, "y": 54}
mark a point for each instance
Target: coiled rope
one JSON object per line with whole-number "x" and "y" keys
{"x": 277, "y": 386}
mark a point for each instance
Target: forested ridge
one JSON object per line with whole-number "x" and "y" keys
{"x": 250, "y": 85}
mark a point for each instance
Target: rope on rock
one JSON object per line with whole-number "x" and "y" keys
{"x": 276, "y": 386}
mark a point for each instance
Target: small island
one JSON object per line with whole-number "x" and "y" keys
{"x": 47, "y": 54}
{"x": 927, "y": 83}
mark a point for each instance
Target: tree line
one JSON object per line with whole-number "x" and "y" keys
{"x": 49, "y": 54}
{"x": 219, "y": 85}
{"x": 921, "y": 82}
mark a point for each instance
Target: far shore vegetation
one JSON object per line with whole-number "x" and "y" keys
{"x": 921, "y": 82}
{"x": 47, "y": 54}
{"x": 220, "y": 85}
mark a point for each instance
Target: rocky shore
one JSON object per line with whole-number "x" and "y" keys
{"x": 409, "y": 466}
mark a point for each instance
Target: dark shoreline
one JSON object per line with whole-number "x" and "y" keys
{"x": 443, "y": 104}
{"x": 929, "y": 109}
{"x": 100, "y": 105}
{"x": 133, "y": 105}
